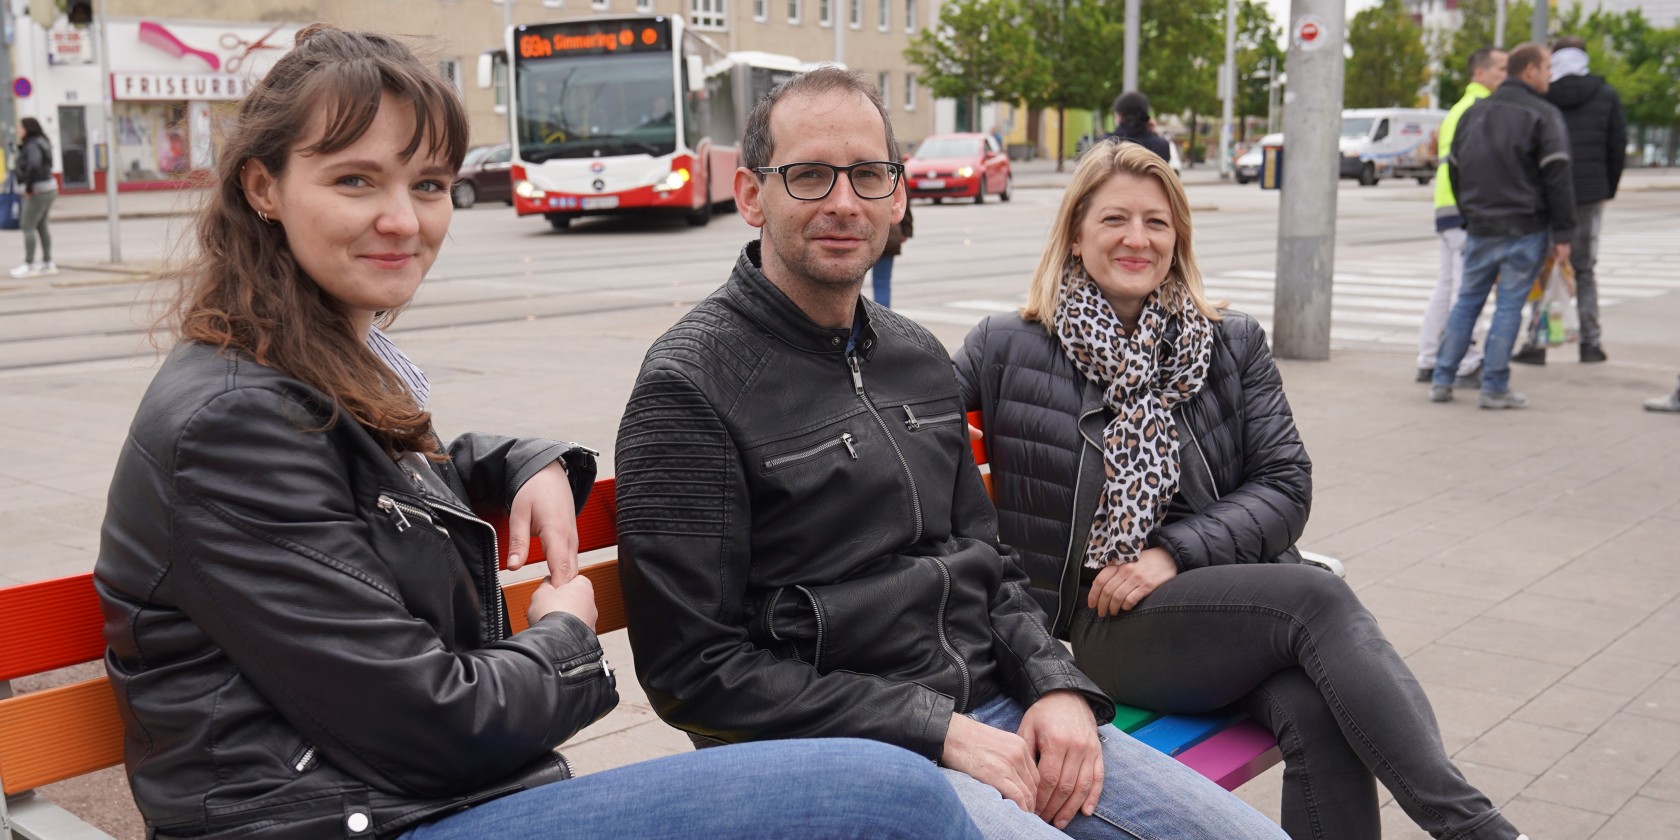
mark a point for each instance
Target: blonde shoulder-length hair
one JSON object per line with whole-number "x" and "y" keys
{"x": 1101, "y": 162}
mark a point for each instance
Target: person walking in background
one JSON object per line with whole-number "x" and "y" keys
{"x": 1487, "y": 71}
{"x": 1592, "y": 110}
{"x": 880, "y": 279}
{"x": 1132, "y": 124}
{"x": 1509, "y": 165}
{"x": 34, "y": 174}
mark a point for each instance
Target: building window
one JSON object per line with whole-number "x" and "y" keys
{"x": 706, "y": 14}
{"x": 909, "y": 15}
{"x": 599, "y": 5}
{"x": 499, "y": 80}
{"x": 450, "y": 70}
{"x": 794, "y": 8}
{"x": 825, "y": 12}
{"x": 909, "y": 91}
{"x": 761, "y": 10}
{"x": 644, "y": 5}
{"x": 883, "y": 80}
{"x": 856, "y": 15}
{"x": 883, "y": 15}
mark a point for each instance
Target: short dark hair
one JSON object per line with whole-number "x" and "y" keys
{"x": 758, "y": 146}
{"x": 1132, "y": 104}
{"x": 1526, "y": 55}
{"x": 32, "y": 128}
{"x": 1480, "y": 59}
{"x": 1565, "y": 42}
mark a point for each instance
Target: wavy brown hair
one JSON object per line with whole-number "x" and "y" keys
{"x": 243, "y": 290}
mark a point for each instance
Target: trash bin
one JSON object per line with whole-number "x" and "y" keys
{"x": 1271, "y": 167}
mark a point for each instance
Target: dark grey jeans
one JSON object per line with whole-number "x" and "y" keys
{"x": 1293, "y": 645}
{"x": 1583, "y": 257}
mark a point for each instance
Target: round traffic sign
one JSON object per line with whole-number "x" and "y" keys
{"x": 21, "y": 88}
{"x": 1309, "y": 32}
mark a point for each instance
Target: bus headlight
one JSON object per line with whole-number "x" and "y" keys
{"x": 674, "y": 181}
{"x": 527, "y": 190}
{"x": 965, "y": 172}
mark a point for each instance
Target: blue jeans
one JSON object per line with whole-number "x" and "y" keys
{"x": 834, "y": 788}
{"x": 881, "y": 279}
{"x": 1513, "y": 262}
{"x": 1146, "y": 795}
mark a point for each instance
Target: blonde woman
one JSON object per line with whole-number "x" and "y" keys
{"x": 1148, "y": 470}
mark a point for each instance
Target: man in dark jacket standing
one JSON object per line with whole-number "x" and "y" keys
{"x": 1597, "y": 148}
{"x": 808, "y": 549}
{"x": 1131, "y": 124}
{"x": 1510, "y": 169}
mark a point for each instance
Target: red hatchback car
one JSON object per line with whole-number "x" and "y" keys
{"x": 959, "y": 166}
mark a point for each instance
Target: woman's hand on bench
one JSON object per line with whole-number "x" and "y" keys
{"x": 544, "y": 506}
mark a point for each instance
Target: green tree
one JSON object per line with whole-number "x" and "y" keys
{"x": 979, "y": 50}
{"x": 1258, "y": 54}
{"x": 1072, "y": 66}
{"x": 1640, "y": 61}
{"x": 1180, "y": 45}
{"x": 1476, "y": 32}
{"x": 1389, "y": 64}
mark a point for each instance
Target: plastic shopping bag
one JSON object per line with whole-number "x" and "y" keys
{"x": 1554, "y": 318}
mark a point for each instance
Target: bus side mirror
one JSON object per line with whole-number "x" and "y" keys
{"x": 696, "y": 74}
{"x": 486, "y": 71}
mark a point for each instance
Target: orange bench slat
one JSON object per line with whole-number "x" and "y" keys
{"x": 609, "y": 601}
{"x": 59, "y": 733}
{"x": 597, "y": 523}
{"x": 49, "y": 624}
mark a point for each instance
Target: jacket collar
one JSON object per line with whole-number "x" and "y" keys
{"x": 1518, "y": 87}
{"x": 1477, "y": 90}
{"x": 760, "y": 300}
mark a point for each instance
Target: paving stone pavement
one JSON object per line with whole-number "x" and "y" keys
{"x": 1526, "y": 564}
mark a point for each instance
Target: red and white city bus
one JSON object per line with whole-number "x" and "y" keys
{"x": 625, "y": 115}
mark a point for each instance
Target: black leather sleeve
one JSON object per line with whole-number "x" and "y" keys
{"x": 493, "y": 468}
{"x": 1266, "y": 513}
{"x": 276, "y": 566}
{"x": 684, "y": 524}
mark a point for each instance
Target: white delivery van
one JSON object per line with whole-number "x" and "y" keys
{"x": 1380, "y": 143}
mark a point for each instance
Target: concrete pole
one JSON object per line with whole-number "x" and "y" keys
{"x": 1230, "y": 85}
{"x": 1312, "y": 122}
{"x": 1129, "y": 76}
{"x": 105, "y": 95}
{"x": 1499, "y": 24}
{"x": 1538, "y": 32}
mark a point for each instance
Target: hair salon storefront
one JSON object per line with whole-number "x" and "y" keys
{"x": 170, "y": 82}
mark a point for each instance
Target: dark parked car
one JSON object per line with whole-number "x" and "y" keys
{"x": 959, "y": 166}
{"x": 484, "y": 176}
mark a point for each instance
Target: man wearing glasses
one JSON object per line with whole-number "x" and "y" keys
{"x": 808, "y": 550}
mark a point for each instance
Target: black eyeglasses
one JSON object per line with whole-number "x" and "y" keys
{"x": 871, "y": 179}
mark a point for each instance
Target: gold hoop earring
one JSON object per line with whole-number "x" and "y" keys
{"x": 264, "y": 217}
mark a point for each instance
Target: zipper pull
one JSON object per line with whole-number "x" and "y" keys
{"x": 912, "y": 424}
{"x": 857, "y": 375}
{"x": 389, "y": 506}
{"x": 846, "y": 438}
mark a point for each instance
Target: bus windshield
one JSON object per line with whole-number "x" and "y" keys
{"x": 1356, "y": 127}
{"x": 587, "y": 105}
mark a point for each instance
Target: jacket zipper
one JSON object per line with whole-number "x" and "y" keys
{"x": 401, "y": 511}
{"x": 944, "y": 641}
{"x": 1073, "y": 530}
{"x": 915, "y": 424}
{"x": 816, "y": 609}
{"x": 595, "y": 665}
{"x": 845, "y": 439}
{"x": 498, "y": 618}
{"x": 915, "y": 498}
{"x": 305, "y": 759}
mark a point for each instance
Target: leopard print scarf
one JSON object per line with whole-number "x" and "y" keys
{"x": 1141, "y": 380}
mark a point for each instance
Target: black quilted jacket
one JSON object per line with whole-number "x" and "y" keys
{"x": 1244, "y": 470}
{"x": 808, "y": 550}
{"x": 1597, "y": 134}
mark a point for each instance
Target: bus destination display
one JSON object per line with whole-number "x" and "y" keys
{"x": 593, "y": 38}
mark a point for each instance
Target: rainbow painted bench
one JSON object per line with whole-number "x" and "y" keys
{"x": 59, "y": 733}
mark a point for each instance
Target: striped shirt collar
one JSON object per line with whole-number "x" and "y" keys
{"x": 413, "y": 378}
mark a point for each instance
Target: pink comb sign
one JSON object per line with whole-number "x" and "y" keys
{"x": 155, "y": 35}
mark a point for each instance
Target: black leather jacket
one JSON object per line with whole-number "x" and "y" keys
{"x": 301, "y": 643}
{"x": 1245, "y": 485}
{"x": 808, "y": 550}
